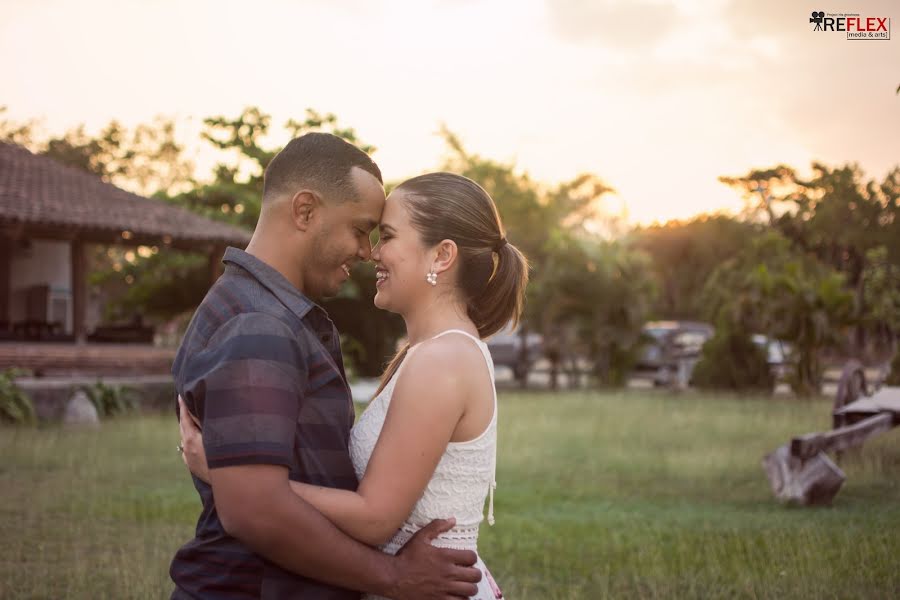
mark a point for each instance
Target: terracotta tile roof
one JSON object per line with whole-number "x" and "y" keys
{"x": 36, "y": 190}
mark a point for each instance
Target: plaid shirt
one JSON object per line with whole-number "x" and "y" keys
{"x": 260, "y": 365}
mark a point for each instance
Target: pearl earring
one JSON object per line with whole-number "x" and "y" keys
{"x": 431, "y": 277}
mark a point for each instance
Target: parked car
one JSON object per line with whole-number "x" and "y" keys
{"x": 506, "y": 350}
{"x": 669, "y": 345}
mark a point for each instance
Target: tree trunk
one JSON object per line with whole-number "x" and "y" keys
{"x": 554, "y": 374}
{"x": 522, "y": 366}
{"x": 808, "y": 381}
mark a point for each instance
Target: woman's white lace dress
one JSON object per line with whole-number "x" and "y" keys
{"x": 462, "y": 481}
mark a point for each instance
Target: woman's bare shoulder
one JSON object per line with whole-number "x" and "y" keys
{"x": 447, "y": 360}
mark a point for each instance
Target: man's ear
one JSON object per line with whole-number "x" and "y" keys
{"x": 305, "y": 208}
{"x": 447, "y": 251}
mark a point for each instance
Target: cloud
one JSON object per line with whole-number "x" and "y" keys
{"x": 835, "y": 94}
{"x": 614, "y": 23}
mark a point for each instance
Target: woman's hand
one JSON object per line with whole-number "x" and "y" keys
{"x": 192, "y": 453}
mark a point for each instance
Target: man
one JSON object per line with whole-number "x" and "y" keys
{"x": 260, "y": 366}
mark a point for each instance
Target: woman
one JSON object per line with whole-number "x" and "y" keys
{"x": 425, "y": 448}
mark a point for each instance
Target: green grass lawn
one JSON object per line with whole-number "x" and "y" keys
{"x": 618, "y": 495}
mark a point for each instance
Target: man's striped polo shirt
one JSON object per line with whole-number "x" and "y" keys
{"x": 261, "y": 366}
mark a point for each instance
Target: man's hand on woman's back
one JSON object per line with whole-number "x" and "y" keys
{"x": 425, "y": 572}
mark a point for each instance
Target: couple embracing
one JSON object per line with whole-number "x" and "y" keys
{"x": 298, "y": 502}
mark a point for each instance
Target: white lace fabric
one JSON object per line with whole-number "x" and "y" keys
{"x": 462, "y": 480}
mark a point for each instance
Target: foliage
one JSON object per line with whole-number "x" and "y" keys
{"x": 533, "y": 214}
{"x": 15, "y": 405}
{"x": 235, "y": 192}
{"x": 770, "y": 288}
{"x": 604, "y": 292}
{"x": 368, "y": 333}
{"x": 731, "y": 361}
{"x": 840, "y": 218}
{"x": 160, "y": 285}
{"x": 767, "y": 192}
{"x": 111, "y": 400}
{"x": 684, "y": 255}
{"x": 881, "y": 292}
{"x": 145, "y": 160}
{"x": 22, "y": 134}
{"x": 893, "y": 377}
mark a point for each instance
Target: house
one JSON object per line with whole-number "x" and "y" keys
{"x": 49, "y": 214}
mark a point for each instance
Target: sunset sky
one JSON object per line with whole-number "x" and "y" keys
{"x": 658, "y": 98}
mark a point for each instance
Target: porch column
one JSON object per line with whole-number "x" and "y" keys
{"x": 6, "y": 245}
{"x": 79, "y": 290}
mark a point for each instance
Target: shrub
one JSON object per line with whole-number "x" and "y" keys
{"x": 893, "y": 377}
{"x": 15, "y": 405}
{"x": 111, "y": 400}
{"x": 730, "y": 360}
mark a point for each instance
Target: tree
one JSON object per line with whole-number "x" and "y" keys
{"x": 603, "y": 291}
{"x": 730, "y": 360}
{"x": 881, "y": 294}
{"x": 145, "y": 160}
{"x": 22, "y": 134}
{"x": 772, "y": 289}
{"x": 836, "y": 215}
{"x": 235, "y": 192}
{"x": 684, "y": 255}
{"x": 766, "y": 192}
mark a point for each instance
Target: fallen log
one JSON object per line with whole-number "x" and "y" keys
{"x": 814, "y": 481}
{"x": 849, "y": 436}
{"x": 801, "y": 473}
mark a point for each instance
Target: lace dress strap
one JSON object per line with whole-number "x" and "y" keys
{"x": 465, "y": 333}
{"x": 487, "y": 356}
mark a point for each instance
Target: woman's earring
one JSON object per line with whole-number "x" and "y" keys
{"x": 431, "y": 277}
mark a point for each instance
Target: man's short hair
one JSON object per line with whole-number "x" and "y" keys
{"x": 319, "y": 161}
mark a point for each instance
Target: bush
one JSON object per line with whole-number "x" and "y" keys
{"x": 893, "y": 377}
{"x": 15, "y": 405}
{"x": 111, "y": 400}
{"x": 731, "y": 361}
